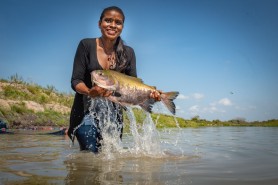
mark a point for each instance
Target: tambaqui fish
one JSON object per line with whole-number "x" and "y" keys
{"x": 130, "y": 90}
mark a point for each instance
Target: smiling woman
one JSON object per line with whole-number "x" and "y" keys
{"x": 91, "y": 109}
{"x": 111, "y": 24}
{"x": 104, "y": 52}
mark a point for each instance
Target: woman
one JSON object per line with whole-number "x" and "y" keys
{"x": 90, "y": 110}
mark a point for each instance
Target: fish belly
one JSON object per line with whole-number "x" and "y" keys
{"x": 132, "y": 96}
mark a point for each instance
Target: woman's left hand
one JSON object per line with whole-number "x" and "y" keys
{"x": 156, "y": 95}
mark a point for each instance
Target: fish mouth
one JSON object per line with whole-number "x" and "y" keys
{"x": 102, "y": 81}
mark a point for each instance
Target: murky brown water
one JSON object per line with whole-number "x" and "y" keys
{"x": 230, "y": 155}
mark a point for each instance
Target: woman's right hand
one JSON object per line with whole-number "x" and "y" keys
{"x": 99, "y": 91}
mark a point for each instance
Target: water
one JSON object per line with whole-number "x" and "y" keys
{"x": 213, "y": 155}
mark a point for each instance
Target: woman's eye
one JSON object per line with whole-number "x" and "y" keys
{"x": 108, "y": 20}
{"x": 119, "y": 22}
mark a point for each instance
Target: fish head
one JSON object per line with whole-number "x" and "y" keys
{"x": 104, "y": 79}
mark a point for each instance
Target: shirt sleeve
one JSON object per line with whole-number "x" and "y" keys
{"x": 79, "y": 65}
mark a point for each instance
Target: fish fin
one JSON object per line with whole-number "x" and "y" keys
{"x": 167, "y": 99}
{"x": 147, "y": 105}
{"x": 116, "y": 94}
{"x": 114, "y": 99}
{"x": 124, "y": 107}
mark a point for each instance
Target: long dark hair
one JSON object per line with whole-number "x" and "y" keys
{"x": 121, "y": 53}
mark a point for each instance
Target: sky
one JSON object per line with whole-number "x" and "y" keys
{"x": 221, "y": 55}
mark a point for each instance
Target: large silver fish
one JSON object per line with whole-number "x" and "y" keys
{"x": 129, "y": 90}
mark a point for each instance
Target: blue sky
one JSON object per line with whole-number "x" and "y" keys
{"x": 221, "y": 55}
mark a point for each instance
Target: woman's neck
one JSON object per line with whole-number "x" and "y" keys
{"x": 107, "y": 44}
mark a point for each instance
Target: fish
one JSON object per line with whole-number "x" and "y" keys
{"x": 128, "y": 90}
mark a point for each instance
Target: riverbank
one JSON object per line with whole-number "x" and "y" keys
{"x": 29, "y": 106}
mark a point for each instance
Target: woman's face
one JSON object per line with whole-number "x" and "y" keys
{"x": 111, "y": 25}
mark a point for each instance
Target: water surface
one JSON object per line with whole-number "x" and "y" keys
{"x": 216, "y": 155}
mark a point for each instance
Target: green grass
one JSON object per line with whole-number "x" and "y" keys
{"x": 17, "y": 89}
{"x": 20, "y": 109}
{"x": 32, "y": 92}
{"x": 52, "y": 118}
{"x": 13, "y": 93}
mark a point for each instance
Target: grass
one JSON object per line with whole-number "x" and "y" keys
{"x": 52, "y": 118}
{"x": 14, "y": 93}
{"x": 17, "y": 89}
{"x": 32, "y": 92}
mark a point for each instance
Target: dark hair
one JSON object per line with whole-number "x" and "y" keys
{"x": 121, "y": 53}
{"x": 112, "y": 8}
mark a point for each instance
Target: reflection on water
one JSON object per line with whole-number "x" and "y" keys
{"x": 220, "y": 155}
{"x": 85, "y": 169}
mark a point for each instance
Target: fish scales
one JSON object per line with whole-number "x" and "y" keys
{"x": 130, "y": 90}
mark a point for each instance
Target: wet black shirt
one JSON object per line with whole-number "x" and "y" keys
{"x": 85, "y": 62}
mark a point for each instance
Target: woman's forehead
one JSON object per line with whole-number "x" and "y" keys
{"x": 114, "y": 14}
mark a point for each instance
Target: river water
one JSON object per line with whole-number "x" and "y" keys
{"x": 212, "y": 155}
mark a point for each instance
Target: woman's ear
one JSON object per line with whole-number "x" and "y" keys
{"x": 99, "y": 23}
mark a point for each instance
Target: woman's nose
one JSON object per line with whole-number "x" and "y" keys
{"x": 113, "y": 24}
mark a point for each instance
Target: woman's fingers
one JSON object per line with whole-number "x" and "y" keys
{"x": 107, "y": 93}
{"x": 156, "y": 95}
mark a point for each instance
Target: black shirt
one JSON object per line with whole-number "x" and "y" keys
{"x": 85, "y": 62}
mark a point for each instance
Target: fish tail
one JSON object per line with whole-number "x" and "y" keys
{"x": 168, "y": 98}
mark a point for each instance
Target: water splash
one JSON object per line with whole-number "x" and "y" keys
{"x": 144, "y": 139}
{"x": 147, "y": 142}
{"x": 109, "y": 127}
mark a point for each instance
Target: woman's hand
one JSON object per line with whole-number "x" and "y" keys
{"x": 99, "y": 91}
{"x": 156, "y": 95}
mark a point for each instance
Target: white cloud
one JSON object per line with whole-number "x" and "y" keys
{"x": 194, "y": 108}
{"x": 213, "y": 109}
{"x": 179, "y": 109}
{"x": 225, "y": 102}
{"x": 182, "y": 97}
{"x": 198, "y": 96}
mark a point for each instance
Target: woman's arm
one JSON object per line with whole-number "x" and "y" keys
{"x": 78, "y": 74}
{"x": 93, "y": 92}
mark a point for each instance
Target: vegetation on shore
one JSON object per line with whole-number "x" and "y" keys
{"x": 28, "y": 105}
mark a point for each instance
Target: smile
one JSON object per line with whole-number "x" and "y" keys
{"x": 111, "y": 32}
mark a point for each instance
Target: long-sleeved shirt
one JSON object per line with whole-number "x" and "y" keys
{"x": 85, "y": 62}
